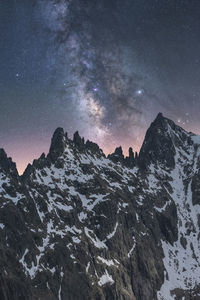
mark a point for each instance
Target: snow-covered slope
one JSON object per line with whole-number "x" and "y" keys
{"x": 78, "y": 225}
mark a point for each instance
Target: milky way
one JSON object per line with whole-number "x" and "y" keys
{"x": 103, "y": 67}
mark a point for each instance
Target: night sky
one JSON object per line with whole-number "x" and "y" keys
{"x": 102, "y": 67}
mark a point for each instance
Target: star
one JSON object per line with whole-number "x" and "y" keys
{"x": 139, "y": 92}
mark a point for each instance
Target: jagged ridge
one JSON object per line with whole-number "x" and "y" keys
{"x": 123, "y": 228}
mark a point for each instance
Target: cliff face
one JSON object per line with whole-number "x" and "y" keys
{"x": 78, "y": 225}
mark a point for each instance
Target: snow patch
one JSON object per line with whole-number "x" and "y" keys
{"x": 106, "y": 278}
{"x": 97, "y": 243}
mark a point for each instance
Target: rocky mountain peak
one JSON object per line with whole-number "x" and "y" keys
{"x": 131, "y": 160}
{"x": 78, "y": 141}
{"x": 160, "y": 143}
{"x": 57, "y": 144}
{"x": 160, "y": 125}
{"x": 131, "y": 154}
{"x": 119, "y": 152}
{"x": 7, "y": 165}
{"x": 117, "y": 156}
{"x": 93, "y": 147}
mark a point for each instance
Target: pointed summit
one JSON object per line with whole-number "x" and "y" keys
{"x": 159, "y": 116}
{"x": 130, "y": 160}
{"x": 117, "y": 155}
{"x": 78, "y": 141}
{"x": 57, "y": 143}
{"x": 7, "y": 165}
{"x": 160, "y": 122}
{"x": 166, "y": 126}
{"x": 161, "y": 140}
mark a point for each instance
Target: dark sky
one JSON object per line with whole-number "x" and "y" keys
{"x": 103, "y": 67}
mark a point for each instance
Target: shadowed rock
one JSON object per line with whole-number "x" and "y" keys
{"x": 78, "y": 141}
{"x": 158, "y": 145}
{"x": 57, "y": 144}
{"x": 117, "y": 156}
{"x": 7, "y": 165}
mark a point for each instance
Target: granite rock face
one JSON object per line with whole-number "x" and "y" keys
{"x": 78, "y": 225}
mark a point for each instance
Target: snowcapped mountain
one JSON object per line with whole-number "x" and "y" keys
{"x": 78, "y": 225}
